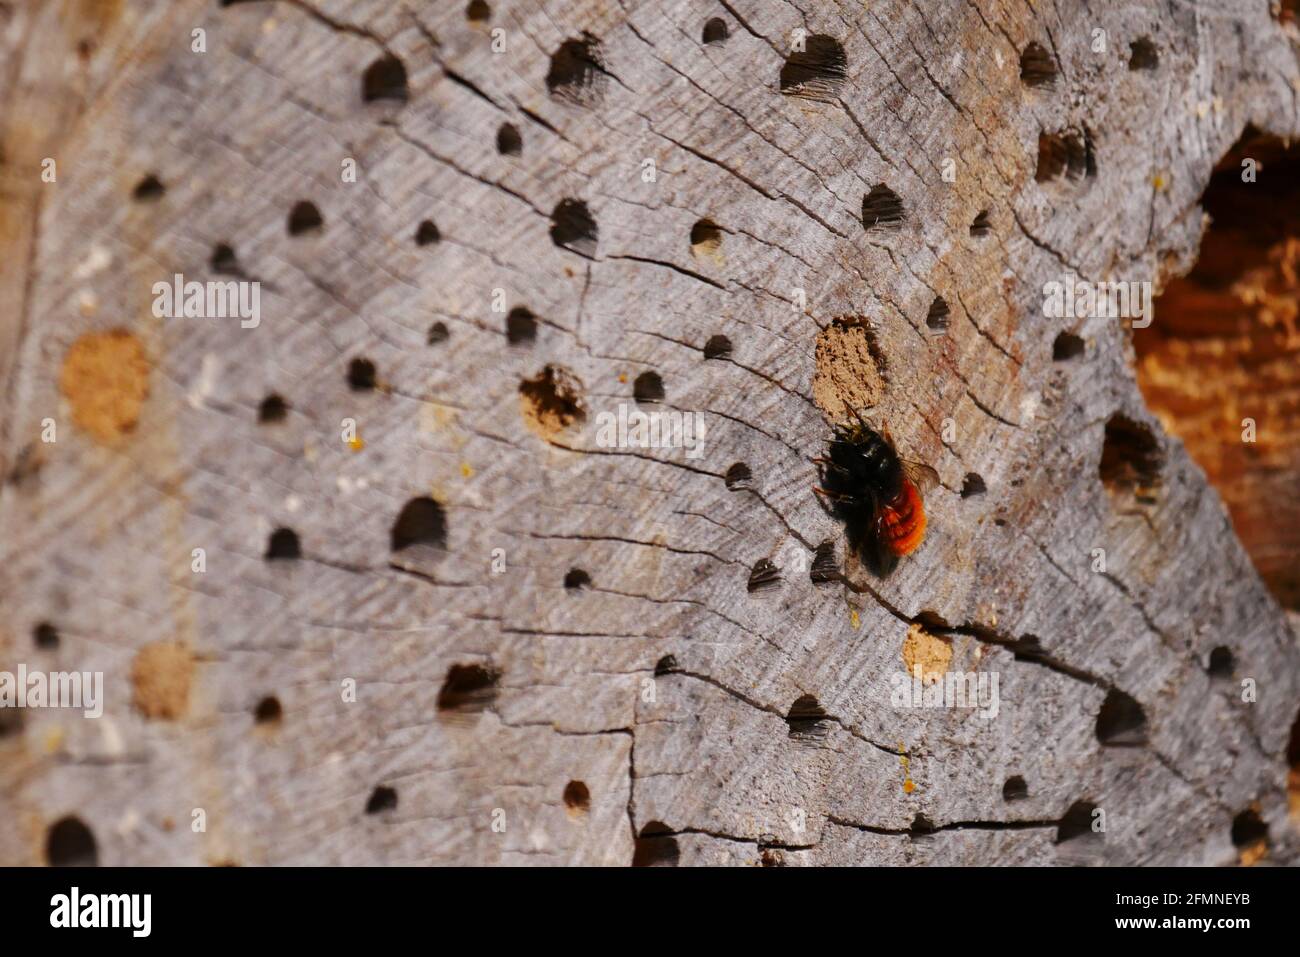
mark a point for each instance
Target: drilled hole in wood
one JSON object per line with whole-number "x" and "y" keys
{"x": 574, "y": 228}
{"x": 361, "y": 374}
{"x": 148, "y": 190}
{"x": 1067, "y": 346}
{"x": 715, "y": 31}
{"x": 1248, "y": 829}
{"x": 706, "y": 241}
{"x": 1221, "y": 662}
{"x": 304, "y": 218}
{"x": 824, "y": 568}
{"x": 577, "y": 74}
{"x": 1065, "y": 157}
{"x": 11, "y": 722}
{"x": 973, "y": 484}
{"x": 1121, "y": 721}
{"x": 426, "y": 234}
{"x": 655, "y": 847}
{"x": 1131, "y": 458}
{"x": 509, "y": 142}
{"x": 718, "y": 347}
{"x": 224, "y": 262}
{"x": 69, "y": 843}
{"x": 1037, "y": 68}
{"x": 882, "y": 209}
{"x": 577, "y": 799}
{"x": 381, "y": 799}
{"x": 921, "y": 826}
{"x": 1143, "y": 54}
{"x": 421, "y": 522}
{"x": 45, "y": 636}
{"x": 468, "y": 689}
{"x": 385, "y": 79}
{"x": 738, "y": 477}
{"x": 1076, "y": 825}
{"x": 665, "y": 666}
{"x": 817, "y": 72}
{"x": 764, "y": 576}
{"x": 438, "y": 333}
{"x": 576, "y": 579}
{"x": 272, "y": 409}
{"x": 1015, "y": 789}
{"x": 648, "y": 387}
{"x": 1293, "y": 762}
{"x": 283, "y": 544}
{"x": 981, "y": 225}
{"x": 521, "y": 326}
{"x": 806, "y": 719}
{"x": 268, "y": 711}
{"x": 936, "y": 320}
{"x": 478, "y": 12}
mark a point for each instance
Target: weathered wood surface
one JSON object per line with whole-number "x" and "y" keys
{"x": 99, "y": 527}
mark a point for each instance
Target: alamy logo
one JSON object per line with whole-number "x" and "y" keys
{"x": 133, "y": 911}
{"x": 1075, "y": 299}
{"x": 57, "y": 689}
{"x": 179, "y": 299}
{"x": 630, "y": 428}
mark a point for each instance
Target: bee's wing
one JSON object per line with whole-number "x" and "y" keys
{"x": 922, "y": 476}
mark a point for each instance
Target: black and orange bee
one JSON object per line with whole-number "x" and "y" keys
{"x": 876, "y": 493}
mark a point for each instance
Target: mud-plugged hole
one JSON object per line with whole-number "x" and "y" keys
{"x": 574, "y": 228}
{"x": 361, "y": 374}
{"x": 438, "y": 333}
{"x": 468, "y": 689}
{"x": 937, "y": 319}
{"x": 1067, "y": 346}
{"x": 268, "y": 711}
{"x": 1037, "y": 68}
{"x": 972, "y": 485}
{"x": 272, "y": 409}
{"x": 656, "y": 846}
{"x": 45, "y": 636}
{"x": 817, "y": 71}
{"x": 981, "y": 225}
{"x": 850, "y": 369}
{"x": 715, "y": 31}
{"x": 806, "y": 719}
{"x": 283, "y": 544}
{"x": 882, "y": 209}
{"x": 422, "y": 521}
{"x": 150, "y": 189}
{"x": 575, "y": 579}
{"x": 509, "y": 142}
{"x": 426, "y": 234}
{"x": 577, "y": 799}
{"x": 718, "y": 347}
{"x": 305, "y": 218}
{"x": 381, "y": 799}
{"x": 764, "y": 576}
{"x": 1143, "y": 54}
{"x": 69, "y": 843}
{"x": 521, "y": 326}
{"x": 1015, "y": 789}
{"x": 738, "y": 477}
{"x": 552, "y": 401}
{"x": 706, "y": 241}
{"x": 648, "y": 387}
{"x": 385, "y": 79}
{"x": 577, "y": 73}
{"x": 1131, "y": 457}
{"x": 1121, "y": 722}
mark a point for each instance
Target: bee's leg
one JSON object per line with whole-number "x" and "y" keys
{"x": 834, "y": 496}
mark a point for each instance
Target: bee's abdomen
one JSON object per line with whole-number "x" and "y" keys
{"x": 902, "y": 521}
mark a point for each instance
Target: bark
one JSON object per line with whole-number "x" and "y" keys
{"x": 566, "y": 652}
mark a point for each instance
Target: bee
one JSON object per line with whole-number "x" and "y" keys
{"x": 875, "y": 492}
